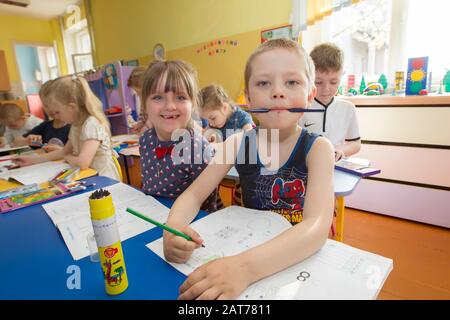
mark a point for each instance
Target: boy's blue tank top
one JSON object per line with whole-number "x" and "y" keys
{"x": 282, "y": 191}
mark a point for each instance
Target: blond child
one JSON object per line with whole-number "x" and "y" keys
{"x": 89, "y": 146}
{"x": 221, "y": 113}
{"x": 17, "y": 124}
{"x": 339, "y": 122}
{"x": 169, "y": 93}
{"x": 51, "y": 134}
{"x": 279, "y": 75}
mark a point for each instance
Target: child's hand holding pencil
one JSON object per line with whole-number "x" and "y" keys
{"x": 179, "y": 241}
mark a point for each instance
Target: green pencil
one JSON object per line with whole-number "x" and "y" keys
{"x": 159, "y": 224}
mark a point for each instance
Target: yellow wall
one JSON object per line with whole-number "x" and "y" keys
{"x": 27, "y": 30}
{"x": 226, "y": 68}
{"x": 127, "y": 30}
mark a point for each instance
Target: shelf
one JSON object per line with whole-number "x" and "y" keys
{"x": 114, "y": 115}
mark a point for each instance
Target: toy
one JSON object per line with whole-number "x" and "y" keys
{"x": 362, "y": 86}
{"x": 352, "y": 92}
{"x": 446, "y": 81}
{"x": 113, "y": 110}
{"x": 416, "y": 78}
{"x": 383, "y": 81}
{"x": 423, "y": 92}
{"x": 374, "y": 89}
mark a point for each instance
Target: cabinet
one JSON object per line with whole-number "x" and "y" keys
{"x": 408, "y": 138}
{"x": 5, "y": 85}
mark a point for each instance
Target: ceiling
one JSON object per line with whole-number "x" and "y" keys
{"x": 43, "y": 9}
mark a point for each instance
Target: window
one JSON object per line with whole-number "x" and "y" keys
{"x": 52, "y": 64}
{"x": 426, "y": 35}
{"x": 378, "y": 36}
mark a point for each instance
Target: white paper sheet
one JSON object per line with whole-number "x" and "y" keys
{"x": 72, "y": 216}
{"x": 337, "y": 271}
{"x": 8, "y": 148}
{"x": 37, "y": 173}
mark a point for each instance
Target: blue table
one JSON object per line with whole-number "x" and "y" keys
{"x": 34, "y": 261}
{"x": 344, "y": 184}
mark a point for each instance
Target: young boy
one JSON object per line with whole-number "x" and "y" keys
{"x": 279, "y": 75}
{"x": 339, "y": 122}
{"x": 17, "y": 124}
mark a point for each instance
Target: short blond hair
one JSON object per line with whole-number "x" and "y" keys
{"x": 10, "y": 112}
{"x": 212, "y": 97}
{"x": 287, "y": 45}
{"x": 328, "y": 57}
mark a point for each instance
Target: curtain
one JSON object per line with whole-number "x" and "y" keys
{"x": 308, "y": 12}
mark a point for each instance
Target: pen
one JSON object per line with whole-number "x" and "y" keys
{"x": 156, "y": 223}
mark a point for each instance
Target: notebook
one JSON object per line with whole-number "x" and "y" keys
{"x": 336, "y": 271}
{"x": 357, "y": 166}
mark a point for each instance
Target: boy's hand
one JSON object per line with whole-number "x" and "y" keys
{"x": 135, "y": 129}
{"x": 2, "y": 142}
{"x": 34, "y": 139}
{"x": 24, "y": 161}
{"x": 338, "y": 155}
{"x": 178, "y": 249}
{"x": 221, "y": 279}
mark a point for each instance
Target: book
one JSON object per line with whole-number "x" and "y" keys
{"x": 357, "y": 166}
{"x": 32, "y": 194}
{"x": 336, "y": 271}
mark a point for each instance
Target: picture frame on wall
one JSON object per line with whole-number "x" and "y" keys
{"x": 283, "y": 32}
{"x": 132, "y": 63}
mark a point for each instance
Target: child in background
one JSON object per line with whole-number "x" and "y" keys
{"x": 53, "y": 133}
{"x": 17, "y": 124}
{"x": 135, "y": 84}
{"x": 71, "y": 100}
{"x": 296, "y": 182}
{"x": 218, "y": 109}
{"x": 339, "y": 122}
{"x": 170, "y": 95}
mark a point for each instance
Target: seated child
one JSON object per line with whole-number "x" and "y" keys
{"x": 339, "y": 122}
{"x": 72, "y": 101}
{"x": 169, "y": 93}
{"x": 295, "y": 181}
{"x": 17, "y": 124}
{"x": 53, "y": 133}
{"x": 135, "y": 85}
{"x": 220, "y": 112}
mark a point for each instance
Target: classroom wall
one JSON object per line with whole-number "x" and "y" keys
{"x": 129, "y": 30}
{"x": 30, "y": 30}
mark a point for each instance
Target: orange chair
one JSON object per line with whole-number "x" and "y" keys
{"x": 35, "y": 106}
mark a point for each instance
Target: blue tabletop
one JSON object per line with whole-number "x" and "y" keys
{"x": 344, "y": 183}
{"x": 36, "y": 264}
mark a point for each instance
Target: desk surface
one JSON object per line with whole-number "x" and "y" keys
{"x": 6, "y": 185}
{"x": 34, "y": 261}
{"x": 344, "y": 183}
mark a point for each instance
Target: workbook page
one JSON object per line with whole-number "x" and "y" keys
{"x": 336, "y": 271}
{"x": 72, "y": 216}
